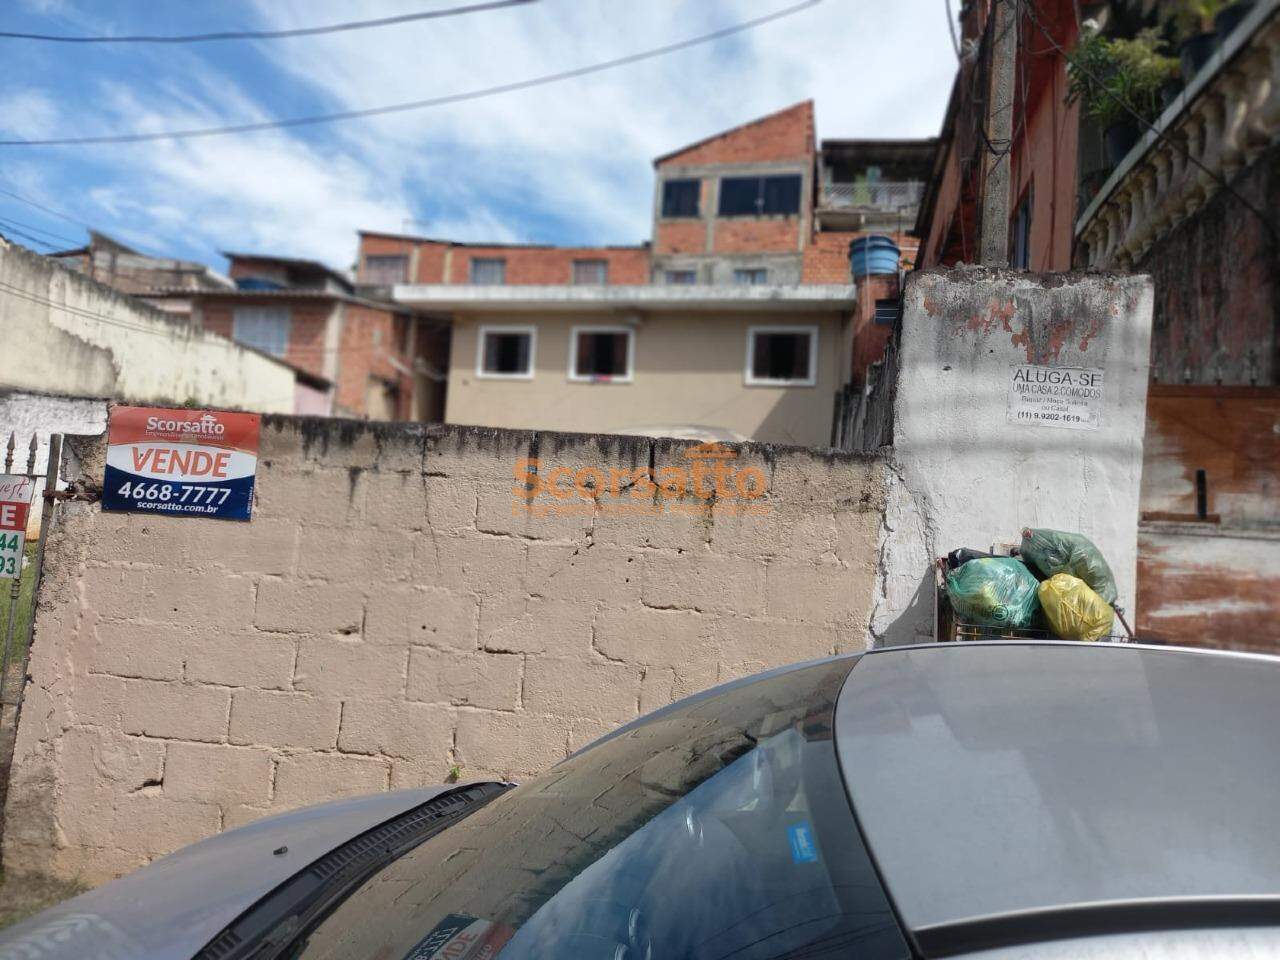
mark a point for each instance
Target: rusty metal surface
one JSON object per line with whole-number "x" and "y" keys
{"x": 1208, "y": 588}
{"x": 1232, "y": 434}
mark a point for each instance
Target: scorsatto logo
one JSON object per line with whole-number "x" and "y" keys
{"x": 207, "y": 425}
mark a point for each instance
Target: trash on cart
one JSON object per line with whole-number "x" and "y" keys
{"x": 961, "y": 556}
{"x": 1055, "y": 551}
{"x": 1074, "y": 610}
{"x": 993, "y": 591}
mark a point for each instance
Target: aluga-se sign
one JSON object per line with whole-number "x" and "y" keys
{"x": 15, "y": 507}
{"x": 190, "y": 462}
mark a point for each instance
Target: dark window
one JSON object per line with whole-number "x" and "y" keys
{"x": 680, "y": 198}
{"x": 887, "y": 311}
{"x": 507, "y": 353}
{"x": 756, "y": 196}
{"x": 591, "y": 272}
{"x": 1020, "y": 234}
{"x": 720, "y": 829}
{"x": 782, "y": 356}
{"x": 488, "y": 272}
{"x": 386, "y": 269}
{"x": 602, "y": 354}
{"x": 751, "y": 276}
{"x": 682, "y": 277}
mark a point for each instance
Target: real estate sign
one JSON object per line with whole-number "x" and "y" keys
{"x": 15, "y": 506}
{"x": 189, "y": 462}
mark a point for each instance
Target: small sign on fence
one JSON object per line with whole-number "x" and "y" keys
{"x": 189, "y": 462}
{"x": 15, "y": 506}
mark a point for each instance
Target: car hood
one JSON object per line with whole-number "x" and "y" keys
{"x": 173, "y": 907}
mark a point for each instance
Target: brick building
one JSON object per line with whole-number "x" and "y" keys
{"x": 1192, "y": 201}
{"x": 354, "y": 356}
{"x": 758, "y": 206}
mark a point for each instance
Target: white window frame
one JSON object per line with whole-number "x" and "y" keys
{"x": 753, "y": 381}
{"x": 486, "y": 329}
{"x": 629, "y": 377}
{"x": 242, "y": 314}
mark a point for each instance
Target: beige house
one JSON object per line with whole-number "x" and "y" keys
{"x": 750, "y": 361}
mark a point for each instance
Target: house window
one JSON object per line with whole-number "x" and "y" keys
{"x": 601, "y": 354}
{"x": 759, "y": 196}
{"x": 686, "y": 278}
{"x": 782, "y": 356}
{"x": 1020, "y": 235}
{"x": 506, "y": 352}
{"x": 590, "y": 272}
{"x": 263, "y": 328}
{"x": 680, "y": 198}
{"x": 488, "y": 272}
{"x": 386, "y": 270}
{"x": 752, "y": 276}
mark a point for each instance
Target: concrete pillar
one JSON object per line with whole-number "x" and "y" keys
{"x": 1020, "y": 401}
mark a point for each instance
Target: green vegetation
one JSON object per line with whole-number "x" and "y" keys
{"x": 1111, "y": 76}
{"x": 22, "y": 619}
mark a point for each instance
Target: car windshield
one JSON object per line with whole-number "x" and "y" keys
{"x": 714, "y": 830}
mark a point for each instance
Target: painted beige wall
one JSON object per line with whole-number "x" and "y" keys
{"x": 386, "y": 614}
{"x": 100, "y": 343}
{"x": 689, "y": 369}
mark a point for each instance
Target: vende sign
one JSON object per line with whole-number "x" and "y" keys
{"x": 15, "y": 506}
{"x": 193, "y": 462}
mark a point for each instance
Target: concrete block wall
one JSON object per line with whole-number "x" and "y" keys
{"x": 391, "y": 612}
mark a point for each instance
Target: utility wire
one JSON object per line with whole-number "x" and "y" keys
{"x": 1100, "y": 85}
{"x": 951, "y": 27}
{"x": 12, "y": 221}
{"x": 49, "y": 210}
{"x": 429, "y": 102}
{"x": 269, "y": 34}
{"x": 7, "y": 227}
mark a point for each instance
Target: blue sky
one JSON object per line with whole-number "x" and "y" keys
{"x": 564, "y": 163}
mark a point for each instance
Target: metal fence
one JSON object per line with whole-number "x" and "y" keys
{"x": 888, "y": 196}
{"x": 19, "y": 595}
{"x": 864, "y": 415}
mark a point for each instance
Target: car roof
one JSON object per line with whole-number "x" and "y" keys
{"x": 1002, "y": 787}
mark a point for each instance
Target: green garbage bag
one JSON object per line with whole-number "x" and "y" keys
{"x": 993, "y": 591}
{"x": 1053, "y": 552}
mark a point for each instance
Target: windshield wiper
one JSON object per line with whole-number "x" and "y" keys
{"x": 267, "y": 929}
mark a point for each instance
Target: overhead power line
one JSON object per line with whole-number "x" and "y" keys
{"x": 269, "y": 34}
{"x": 322, "y": 118}
{"x": 23, "y": 225}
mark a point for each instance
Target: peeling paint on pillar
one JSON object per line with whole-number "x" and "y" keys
{"x": 968, "y": 477}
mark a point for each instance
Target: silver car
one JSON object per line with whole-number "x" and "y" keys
{"x": 991, "y": 800}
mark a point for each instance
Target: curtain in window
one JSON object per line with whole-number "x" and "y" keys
{"x": 263, "y": 328}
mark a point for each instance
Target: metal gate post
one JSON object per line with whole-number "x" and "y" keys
{"x": 46, "y": 521}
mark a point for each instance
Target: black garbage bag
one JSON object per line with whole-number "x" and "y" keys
{"x": 1056, "y": 551}
{"x": 958, "y": 558}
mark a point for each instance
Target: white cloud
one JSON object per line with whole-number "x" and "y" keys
{"x": 568, "y": 162}
{"x": 28, "y": 114}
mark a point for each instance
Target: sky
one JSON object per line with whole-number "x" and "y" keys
{"x": 566, "y": 163}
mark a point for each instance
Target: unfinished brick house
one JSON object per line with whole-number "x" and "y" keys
{"x": 739, "y": 319}
{"x": 354, "y": 356}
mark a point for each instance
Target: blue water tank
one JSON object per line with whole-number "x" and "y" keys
{"x": 873, "y": 254}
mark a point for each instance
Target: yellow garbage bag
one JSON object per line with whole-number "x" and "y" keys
{"x": 1073, "y": 609}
